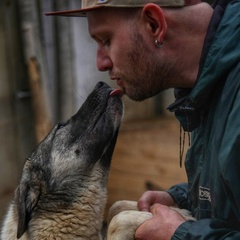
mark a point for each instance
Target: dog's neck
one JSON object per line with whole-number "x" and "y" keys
{"x": 81, "y": 220}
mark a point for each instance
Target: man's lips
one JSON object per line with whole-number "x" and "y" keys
{"x": 119, "y": 82}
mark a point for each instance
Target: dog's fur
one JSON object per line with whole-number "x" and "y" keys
{"x": 124, "y": 218}
{"x": 63, "y": 188}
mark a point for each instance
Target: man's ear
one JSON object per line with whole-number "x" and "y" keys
{"x": 155, "y": 21}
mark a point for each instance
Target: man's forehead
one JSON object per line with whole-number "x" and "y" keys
{"x": 99, "y": 21}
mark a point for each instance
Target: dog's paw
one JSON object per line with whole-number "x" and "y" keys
{"x": 121, "y": 206}
{"x": 124, "y": 224}
{"x": 124, "y": 219}
{"x": 185, "y": 214}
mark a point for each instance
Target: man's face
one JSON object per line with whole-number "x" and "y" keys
{"x": 129, "y": 55}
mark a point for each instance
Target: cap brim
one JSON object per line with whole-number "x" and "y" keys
{"x": 72, "y": 13}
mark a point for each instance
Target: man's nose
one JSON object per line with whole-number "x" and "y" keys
{"x": 104, "y": 62}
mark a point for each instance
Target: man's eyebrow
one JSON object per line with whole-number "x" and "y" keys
{"x": 95, "y": 38}
{"x": 93, "y": 33}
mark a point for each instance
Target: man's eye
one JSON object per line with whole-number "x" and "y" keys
{"x": 106, "y": 42}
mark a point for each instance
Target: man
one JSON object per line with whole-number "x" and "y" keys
{"x": 149, "y": 46}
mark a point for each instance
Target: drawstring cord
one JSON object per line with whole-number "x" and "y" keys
{"x": 182, "y": 144}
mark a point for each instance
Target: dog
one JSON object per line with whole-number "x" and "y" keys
{"x": 63, "y": 187}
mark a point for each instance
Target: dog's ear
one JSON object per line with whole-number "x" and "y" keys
{"x": 26, "y": 198}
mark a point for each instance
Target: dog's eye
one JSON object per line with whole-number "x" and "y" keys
{"x": 77, "y": 151}
{"x": 62, "y": 124}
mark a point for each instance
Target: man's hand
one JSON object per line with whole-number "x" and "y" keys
{"x": 162, "y": 226}
{"x": 151, "y": 197}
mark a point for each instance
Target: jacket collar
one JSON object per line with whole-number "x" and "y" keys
{"x": 221, "y": 51}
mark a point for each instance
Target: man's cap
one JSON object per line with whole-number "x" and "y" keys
{"x": 88, "y": 5}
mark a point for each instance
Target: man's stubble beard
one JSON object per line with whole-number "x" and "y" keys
{"x": 146, "y": 74}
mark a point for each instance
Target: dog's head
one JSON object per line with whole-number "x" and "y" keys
{"x": 72, "y": 157}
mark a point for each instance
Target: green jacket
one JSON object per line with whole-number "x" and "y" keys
{"x": 211, "y": 111}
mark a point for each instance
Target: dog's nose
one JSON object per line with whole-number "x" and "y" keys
{"x": 100, "y": 84}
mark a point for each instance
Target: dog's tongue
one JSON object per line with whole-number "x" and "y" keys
{"x": 115, "y": 92}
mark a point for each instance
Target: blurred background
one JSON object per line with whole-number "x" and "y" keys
{"x": 47, "y": 69}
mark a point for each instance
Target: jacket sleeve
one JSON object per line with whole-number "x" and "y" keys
{"x": 179, "y": 193}
{"x": 205, "y": 229}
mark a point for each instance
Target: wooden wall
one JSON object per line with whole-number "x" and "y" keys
{"x": 146, "y": 152}
{"x": 16, "y": 128}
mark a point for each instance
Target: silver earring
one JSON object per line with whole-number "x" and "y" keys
{"x": 158, "y": 44}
